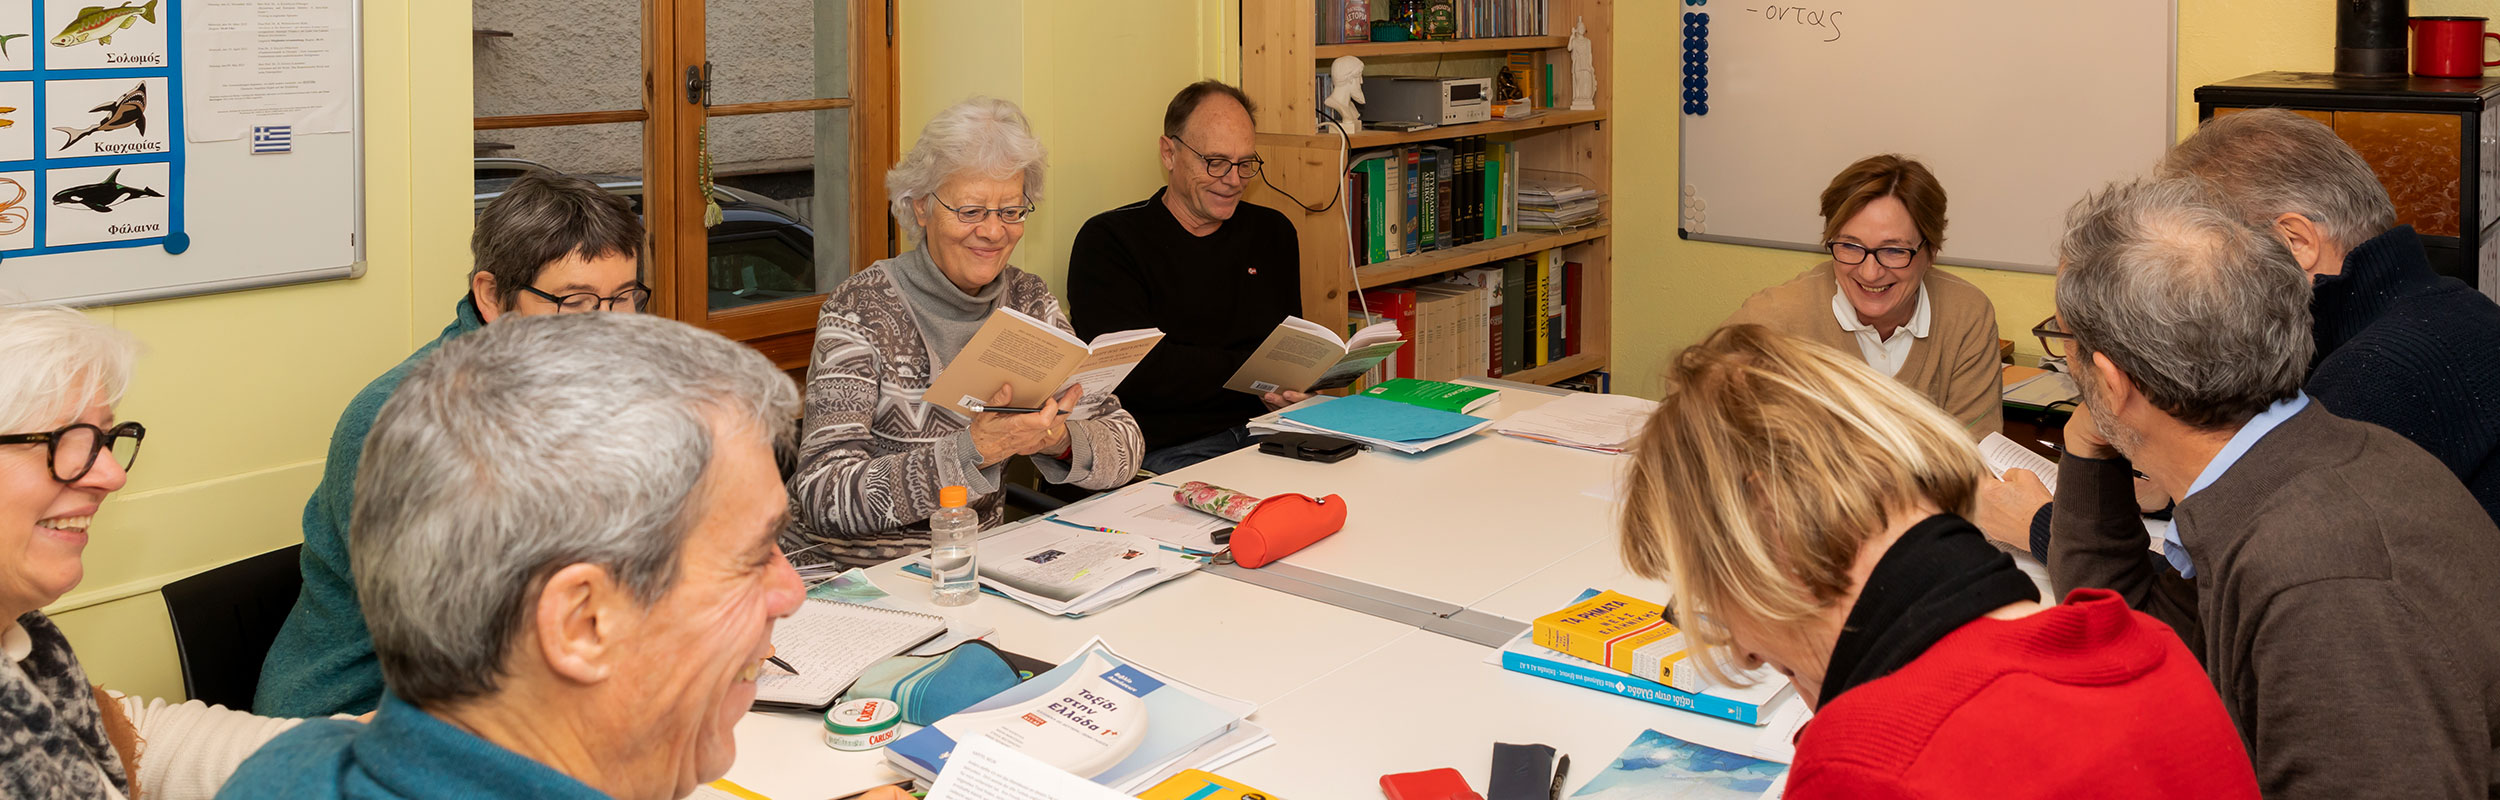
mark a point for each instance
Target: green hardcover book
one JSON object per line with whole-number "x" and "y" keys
{"x": 1450, "y": 397}
{"x": 1428, "y": 170}
{"x": 1489, "y": 211}
{"x": 1440, "y": 19}
{"x": 1517, "y": 297}
{"x": 1375, "y": 176}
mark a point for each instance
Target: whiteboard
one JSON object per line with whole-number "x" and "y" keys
{"x": 2020, "y": 109}
{"x": 238, "y": 220}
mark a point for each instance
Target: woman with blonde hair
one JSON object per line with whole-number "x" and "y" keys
{"x": 1808, "y": 513}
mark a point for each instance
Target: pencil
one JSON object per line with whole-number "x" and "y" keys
{"x": 776, "y": 660}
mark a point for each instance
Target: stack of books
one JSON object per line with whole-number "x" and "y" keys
{"x": 1745, "y": 704}
{"x": 1552, "y": 202}
{"x": 1484, "y": 322}
{"x": 1419, "y": 198}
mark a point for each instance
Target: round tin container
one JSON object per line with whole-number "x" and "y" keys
{"x": 865, "y": 724}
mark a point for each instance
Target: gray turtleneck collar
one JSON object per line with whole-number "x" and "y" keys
{"x": 947, "y": 317}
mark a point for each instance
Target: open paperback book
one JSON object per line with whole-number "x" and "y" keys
{"x": 2000, "y": 454}
{"x": 1062, "y": 569}
{"x": 1305, "y": 356}
{"x": 1098, "y": 716}
{"x": 1147, "y": 509}
{"x": 1037, "y": 361}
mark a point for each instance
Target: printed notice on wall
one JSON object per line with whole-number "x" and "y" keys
{"x": 255, "y": 63}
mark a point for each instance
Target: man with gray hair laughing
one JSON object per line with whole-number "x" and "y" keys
{"x": 565, "y": 535}
{"x": 2330, "y": 574}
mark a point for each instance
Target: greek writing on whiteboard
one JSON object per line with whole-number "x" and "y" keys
{"x": 1826, "y": 20}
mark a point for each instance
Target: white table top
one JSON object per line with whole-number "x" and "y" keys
{"x": 1454, "y": 525}
{"x": 1428, "y": 701}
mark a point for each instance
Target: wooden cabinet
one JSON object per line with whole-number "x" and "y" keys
{"x": 1280, "y": 58}
{"x": 2434, "y": 142}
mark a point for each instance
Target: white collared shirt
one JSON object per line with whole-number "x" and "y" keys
{"x": 1886, "y": 355}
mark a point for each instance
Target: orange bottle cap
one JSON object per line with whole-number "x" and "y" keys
{"x": 953, "y": 497}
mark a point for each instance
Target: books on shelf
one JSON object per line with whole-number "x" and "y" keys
{"x": 1100, "y": 717}
{"x": 1036, "y": 359}
{"x": 1304, "y": 356}
{"x": 1490, "y": 321}
{"x": 1349, "y": 21}
{"x": 1422, "y": 198}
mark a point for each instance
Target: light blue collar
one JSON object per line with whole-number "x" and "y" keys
{"x": 2257, "y": 428}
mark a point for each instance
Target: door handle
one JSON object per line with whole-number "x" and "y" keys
{"x": 699, "y": 84}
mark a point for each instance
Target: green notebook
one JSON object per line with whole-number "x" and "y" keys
{"x": 1450, "y": 397}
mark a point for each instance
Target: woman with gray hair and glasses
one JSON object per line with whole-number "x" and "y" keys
{"x": 61, "y": 453}
{"x": 872, "y": 452}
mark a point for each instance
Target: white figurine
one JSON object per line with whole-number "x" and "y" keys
{"x": 1346, "y": 77}
{"x": 1583, "y": 74}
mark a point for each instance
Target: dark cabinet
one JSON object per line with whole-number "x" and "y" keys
{"x": 2434, "y": 142}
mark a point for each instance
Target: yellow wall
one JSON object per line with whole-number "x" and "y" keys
{"x": 239, "y": 391}
{"x": 1670, "y": 292}
{"x": 1093, "y": 76}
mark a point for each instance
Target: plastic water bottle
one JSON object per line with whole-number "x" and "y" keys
{"x": 952, "y": 532}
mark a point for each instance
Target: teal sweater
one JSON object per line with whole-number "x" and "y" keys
{"x": 403, "y": 753}
{"x": 322, "y": 662}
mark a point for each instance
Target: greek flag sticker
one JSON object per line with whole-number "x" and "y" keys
{"x": 272, "y": 139}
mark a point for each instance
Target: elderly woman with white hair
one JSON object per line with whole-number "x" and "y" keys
{"x": 872, "y": 453}
{"x": 62, "y": 452}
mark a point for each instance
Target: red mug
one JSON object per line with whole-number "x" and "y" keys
{"x": 2450, "y": 47}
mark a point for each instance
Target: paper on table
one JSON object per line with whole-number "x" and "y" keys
{"x": 1778, "y": 739}
{"x": 1147, "y": 509}
{"x": 784, "y": 756}
{"x": 984, "y": 769}
{"x": 1603, "y": 422}
{"x": 2002, "y": 454}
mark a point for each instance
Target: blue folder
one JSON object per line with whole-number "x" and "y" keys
{"x": 1386, "y": 420}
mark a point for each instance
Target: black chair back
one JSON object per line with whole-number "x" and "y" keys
{"x": 225, "y": 619}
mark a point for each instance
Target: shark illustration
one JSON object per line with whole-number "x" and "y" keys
{"x": 101, "y": 196}
{"x": 131, "y": 111}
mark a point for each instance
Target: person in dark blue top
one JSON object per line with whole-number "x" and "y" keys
{"x": 2398, "y": 345}
{"x": 567, "y": 546}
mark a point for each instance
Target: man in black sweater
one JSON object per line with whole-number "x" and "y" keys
{"x": 1214, "y": 272}
{"x": 2398, "y": 345}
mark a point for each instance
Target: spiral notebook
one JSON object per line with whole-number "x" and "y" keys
{"x": 831, "y": 643}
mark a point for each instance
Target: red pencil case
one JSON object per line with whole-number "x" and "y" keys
{"x": 1283, "y": 525}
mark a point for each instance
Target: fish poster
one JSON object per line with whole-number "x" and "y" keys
{"x": 17, "y": 120}
{"x": 108, "y": 203}
{"x": 1662, "y": 767}
{"x": 17, "y": 35}
{"x": 104, "y": 34}
{"x": 106, "y": 117}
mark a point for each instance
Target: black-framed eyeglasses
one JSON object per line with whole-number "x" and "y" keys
{"x": 628, "y": 300}
{"x": 972, "y": 215}
{"x": 1220, "y": 167}
{"x": 2053, "y": 336}
{"x": 72, "y": 449}
{"x": 1853, "y": 254}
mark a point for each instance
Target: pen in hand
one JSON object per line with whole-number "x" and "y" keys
{"x": 784, "y": 665}
{"x": 978, "y": 408}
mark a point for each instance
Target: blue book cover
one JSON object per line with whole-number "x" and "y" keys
{"x": 1385, "y": 420}
{"x": 1097, "y": 716}
{"x": 1659, "y": 766}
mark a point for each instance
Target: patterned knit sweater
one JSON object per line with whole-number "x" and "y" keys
{"x": 872, "y": 456}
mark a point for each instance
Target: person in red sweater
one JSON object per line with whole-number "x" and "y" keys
{"x": 1808, "y": 514}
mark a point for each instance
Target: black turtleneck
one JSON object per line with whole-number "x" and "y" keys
{"x": 2404, "y": 348}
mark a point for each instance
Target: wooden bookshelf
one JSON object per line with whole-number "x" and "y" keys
{"x": 1424, "y": 265}
{"x": 1330, "y": 52}
{"x": 1280, "y": 56}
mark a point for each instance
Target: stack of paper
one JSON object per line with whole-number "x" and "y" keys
{"x": 1069, "y": 571}
{"x": 1379, "y": 423}
{"x": 1147, "y": 509}
{"x": 1556, "y": 201}
{"x": 1100, "y": 717}
{"x": 1605, "y": 423}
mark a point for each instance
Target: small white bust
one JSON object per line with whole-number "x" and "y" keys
{"x": 1346, "y": 75}
{"x": 1583, "y": 72}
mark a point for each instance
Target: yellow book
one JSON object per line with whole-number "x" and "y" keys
{"x": 1624, "y": 634}
{"x": 1193, "y": 784}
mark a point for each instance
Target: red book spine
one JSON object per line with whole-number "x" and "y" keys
{"x": 1397, "y": 305}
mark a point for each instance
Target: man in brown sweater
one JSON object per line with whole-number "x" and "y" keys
{"x": 2333, "y": 577}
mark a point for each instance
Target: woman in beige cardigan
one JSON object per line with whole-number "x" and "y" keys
{"x": 1880, "y": 296}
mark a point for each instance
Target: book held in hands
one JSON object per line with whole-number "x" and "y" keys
{"x": 1038, "y": 360}
{"x": 1304, "y": 356}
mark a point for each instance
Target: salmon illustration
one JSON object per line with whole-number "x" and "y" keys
{"x": 97, "y": 23}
